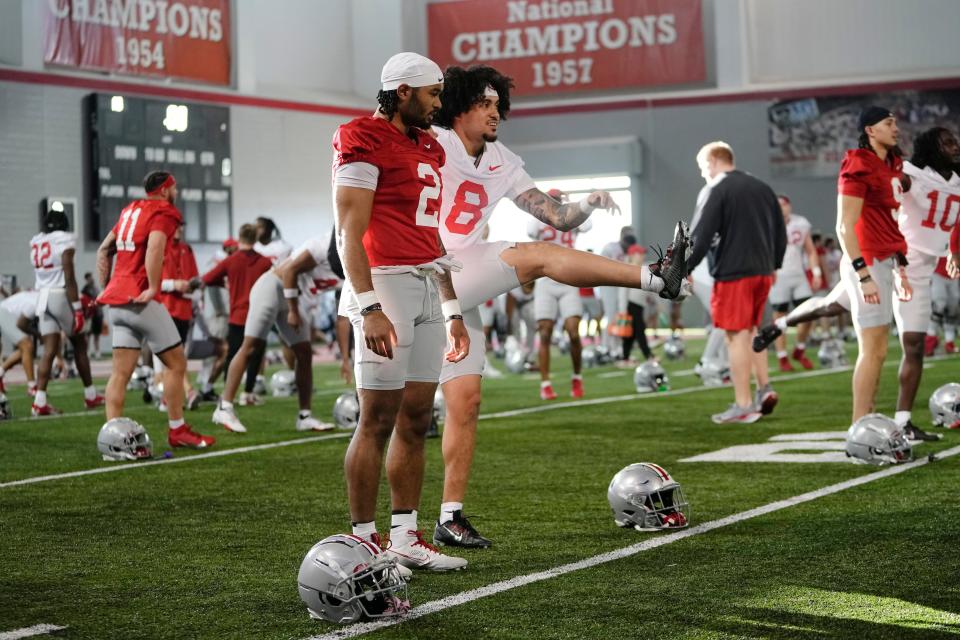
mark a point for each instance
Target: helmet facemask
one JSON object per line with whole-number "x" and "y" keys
{"x": 666, "y": 508}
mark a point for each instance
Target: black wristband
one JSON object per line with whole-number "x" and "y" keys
{"x": 866, "y": 278}
{"x": 455, "y": 316}
{"x": 901, "y": 259}
{"x": 376, "y": 306}
{"x": 859, "y": 263}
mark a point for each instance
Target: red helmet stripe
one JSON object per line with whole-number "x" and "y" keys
{"x": 660, "y": 470}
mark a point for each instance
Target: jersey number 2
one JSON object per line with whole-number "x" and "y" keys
{"x": 128, "y": 222}
{"x": 424, "y": 217}
{"x": 467, "y": 210}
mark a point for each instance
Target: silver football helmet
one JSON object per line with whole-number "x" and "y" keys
{"x": 832, "y": 354}
{"x": 588, "y": 357}
{"x": 603, "y": 354}
{"x": 713, "y": 373}
{"x": 674, "y": 348}
{"x": 876, "y": 439}
{"x": 123, "y": 439}
{"x": 283, "y": 383}
{"x": 644, "y": 496}
{"x": 346, "y": 410}
{"x": 344, "y": 578}
{"x": 945, "y": 406}
{"x": 140, "y": 379}
{"x": 516, "y": 360}
{"x": 650, "y": 376}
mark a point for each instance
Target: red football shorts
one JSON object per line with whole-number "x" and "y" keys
{"x": 738, "y": 304}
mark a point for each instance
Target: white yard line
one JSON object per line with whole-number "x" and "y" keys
{"x": 593, "y": 561}
{"x": 150, "y": 463}
{"x": 487, "y": 416}
{"x": 29, "y": 632}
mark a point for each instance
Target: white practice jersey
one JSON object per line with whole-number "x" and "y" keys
{"x": 521, "y": 296}
{"x": 930, "y": 209}
{"x": 798, "y": 230}
{"x": 542, "y": 231}
{"x": 278, "y": 250}
{"x": 46, "y": 255}
{"x": 471, "y": 192}
{"x": 23, "y": 303}
{"x": 321, "y": 278}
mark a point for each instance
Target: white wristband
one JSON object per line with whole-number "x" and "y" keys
{"x": 290, "y": 294}
{"x": 451, "y": 308}
{"x": 77, "y": 306}
{"x": 366, "y": 298}
{"x": 817, "y": 271}
{"x": 166, "y": 285}
{"x": 586, "y": 207}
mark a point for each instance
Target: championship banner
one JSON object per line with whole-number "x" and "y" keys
{"x": 808, "y": 137}
{"x": 183, "y": 39}
{"x": 562, "y": 46}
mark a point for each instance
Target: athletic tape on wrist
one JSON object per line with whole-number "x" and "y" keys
{"x": 450, "y": 308}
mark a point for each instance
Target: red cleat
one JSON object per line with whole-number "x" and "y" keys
{"x": 547, "y": 392}
{"x": 185, "y": 437}
{"x": 3, "y": 387}
{"x": 98, "y": 401}
{"x": 785, "y": 364}
{"x": 950, "y": 347}
{"x": 45, "y": 410}
{"x": 576, "y": 388}
{"x": 930, "y": 345}
{"x": 800, "y": 356}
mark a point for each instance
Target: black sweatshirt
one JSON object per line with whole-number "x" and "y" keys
{"x": 741, "y": 228}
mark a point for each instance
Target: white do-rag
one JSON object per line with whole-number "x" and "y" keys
{"x": 411, "y": 69}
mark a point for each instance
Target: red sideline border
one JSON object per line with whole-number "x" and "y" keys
{"x": 96, "y": 84}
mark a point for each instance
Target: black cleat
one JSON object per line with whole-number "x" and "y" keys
{"x": 765, "y": 337}
{"x": 459, "y": 533}
{"x": 913, "y": 432}
{"x": 672, "y": 267}
{"x": 209, "y": 396}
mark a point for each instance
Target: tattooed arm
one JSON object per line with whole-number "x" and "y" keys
{"x": 563, "y": 216}
{"x": 457, "y": 338}
{"x": 445, "y": 281}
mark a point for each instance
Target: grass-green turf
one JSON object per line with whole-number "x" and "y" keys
{"x": 211, "y": 548}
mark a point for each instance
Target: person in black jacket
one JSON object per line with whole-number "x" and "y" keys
{"x": 741, "y": 231}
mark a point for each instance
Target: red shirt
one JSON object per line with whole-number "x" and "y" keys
{"x": 941, "y": 269}
{"x": 241, "y": 270}
{"x": 178, "y": 264}
{"x": 586, "y": 292}
{"x": 405, "y": 222}
{"x": 136, "y": 223}
{"x": 864, "y": 175}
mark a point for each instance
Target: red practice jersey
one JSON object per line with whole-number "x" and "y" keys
{"x": 136, "y": 223}
{"x": 864, "y": 175}
{"x": 178, "y": 264}
{"x": 942, "y": 267}
{"x": 239, "y": 271}
{"x": 404, "y": 224}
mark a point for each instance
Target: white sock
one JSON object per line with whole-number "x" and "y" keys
{"x": 544, "y": 384}
{"x": 207, "y": 387}
{"x": 365, "y": 530}
{"x": 781, "y": 323}
{"x": 303, "y": 414}
{"x": 447, "y": 509}
{"x": 576, "y": 376}
{"x": 2, "y": 371}
{"x": 901, "y": 418}
{"x": 403, "y": 527}
{"x": 40, "y": 399}
{"x": 90, "y": 392}
{"x": 650, "y": 282}
{"x": 226, "y": 406}
{"x": 949, "y": 333}
{"x": 781, "y": 354}
{"x": 176, "y": 424}
{"x": 801, "y": 346}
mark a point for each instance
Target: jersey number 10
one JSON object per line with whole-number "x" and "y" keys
{"x": 951, "y": 209}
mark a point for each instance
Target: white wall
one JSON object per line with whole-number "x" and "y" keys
{"x": 817, "y": 40}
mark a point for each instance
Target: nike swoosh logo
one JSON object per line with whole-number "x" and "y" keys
{"x": 426, "y": 146}
{"x": 494, "y": 168}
